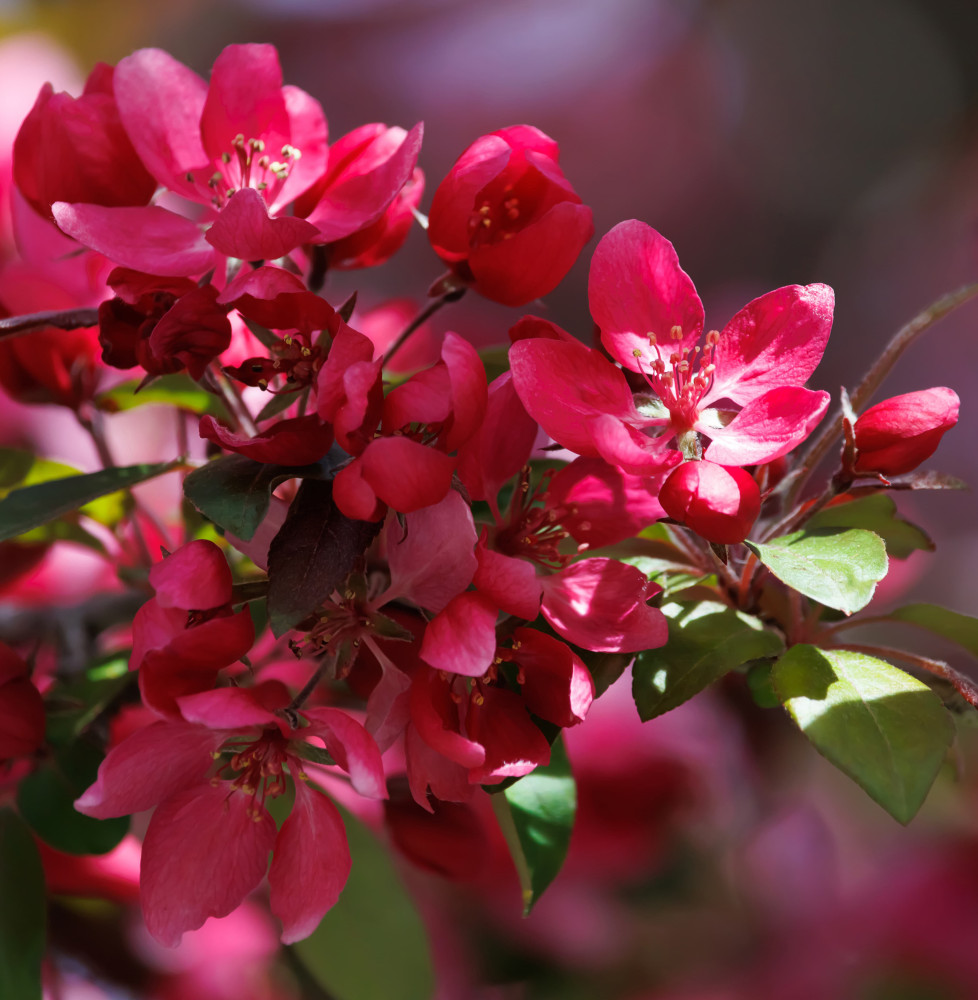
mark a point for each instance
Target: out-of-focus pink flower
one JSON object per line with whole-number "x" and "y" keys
{"x": 75, "y": 149}
{"x": 720, "y": 503}
{"x": 113, "y": 876}
{"x": 505, "y": 219}
{"x": 895, "y": 436}
{"x": 21, "y": 708}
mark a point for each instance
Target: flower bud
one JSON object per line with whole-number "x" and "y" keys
{"x": 505, "y": 219}
{"x": 719, "y": 502}
{"x": 895, "y": 436}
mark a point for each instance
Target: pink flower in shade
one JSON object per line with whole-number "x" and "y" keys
{"x": 895, "y": 436}
{"x": 367, "y": 170}
{"x": 742, "y": 389}
{"x": 185, "y": 635}
{"x": 243, "y": 146}
{"x": 21, "y": 708}
{"x": 209, "y": 777}
{"x": 505, "y": 219}
{"x": 294, "y": 441}
{"x": 75, "y": 149}
{"x": 720, "y": 503}
{"x": 410, "y": 463}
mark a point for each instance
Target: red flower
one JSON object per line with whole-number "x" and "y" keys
{"x": 720, "y": 503}
{"x": 895, "y": 436}
{"x": 505, "y": 219}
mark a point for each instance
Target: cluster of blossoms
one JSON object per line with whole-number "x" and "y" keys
{"x": 463, "y": 559}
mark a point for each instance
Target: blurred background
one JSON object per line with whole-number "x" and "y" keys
{"x": 773, "y": 143}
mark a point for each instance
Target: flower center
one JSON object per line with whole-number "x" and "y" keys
{"x": 249, "y": 165}
{"x": 679, "y": 377}
{"x": 532, "y": 530}
{"x": 259, "y": 766}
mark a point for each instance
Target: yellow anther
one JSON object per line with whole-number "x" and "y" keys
{"x": 486, "y": 223}
{"x": 225, "y": 157}
{"x": 257, "y": 145}
{"x": 238, "y": 140}
{"x": 676, "y": 332}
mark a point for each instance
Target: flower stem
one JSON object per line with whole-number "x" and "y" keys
{"x": 68, "y": 319}
{"x": 872, "y": 380}
{"x": 453, "y": 296}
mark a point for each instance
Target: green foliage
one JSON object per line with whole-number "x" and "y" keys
{"x": 837, "y": 568}
{"x": 31, "y": 506}
{"x": 876, "y": 512}
{"x": 960, "y": 629}
{"x": 178, "y": 390}
{"x": 877, "y": 724}
{"x": 235, "y": 491}
{"x": 46, "y": 798}
{"x": 372, "y": 943}
{"x": 22, "y": 911}
{"x": 536, "y": 814}
{"x": 707, "y": 639}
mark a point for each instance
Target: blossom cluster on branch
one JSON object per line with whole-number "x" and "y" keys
{"x": 389, "y": 567}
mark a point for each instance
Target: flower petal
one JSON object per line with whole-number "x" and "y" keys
{"x": 461, "y": 639}
{"x": 351, "y": 746}
{"x": 206, "y": 848}
{"x": 310, "y": 865}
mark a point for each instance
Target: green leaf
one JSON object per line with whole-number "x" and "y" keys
{"x": 14, "y": 466}
{"x": 372, "y": 943}
{"x": 960, "y": 629}
{"x": 46, "y": 799}
{"x": 279, "y": 403}
{"x": 877, "y": 724}
{"x": 877, "y": 513}
{"x": 836, "y": 567}
{"x": 31, "y": 506}
{"x": 22, "y": 911}
{"x": 707, "y": 639}
{"x": 537, "y": 814}
{"x": 235, "y": 491}
{"x": 178, "y": 390}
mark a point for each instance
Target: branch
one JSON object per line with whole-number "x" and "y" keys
{"x": 68, "y": 319}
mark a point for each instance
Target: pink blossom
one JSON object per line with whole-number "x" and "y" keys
{"x": 207, "y": 843}
{"x": 720, "y": 503}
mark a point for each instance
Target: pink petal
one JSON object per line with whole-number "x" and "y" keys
{"x": 628, "y": 448}
{"x": 206, "y": 848}
{"x": 508, "y": 582}
{"x": 355, "y": 497}
{"x": 501, "y": 446}
{"x": 534, "y": 262}
{"x": 195, "y": 576}
{"x": 777, "y": 340}
{"x": 557, "y": 686}
{"x": 147, "y": 239}
{"x": 636, "y": 288}
{"x": 470, "y": 393}
{"x": 426, "y": 768}
{"x": 514, "y": 745}
{"x": 405, "y": 474}
{"x": 564, "y": 386}
{"x": 462, "y": 638}
{"x": 767, "y": 427}
{"x": 454, "y": 200}
{"x": 310, "y": 135}
{"x": 358, "y": 198}
{"x": 432, "y": 559}
{"x": 435, "y": 715}
{"x": 149, "y": 766}
{"x": 244, "y": 229}
{"x": 226, "y": 708}
{"x": 245, "y": 97}
{"x": 599, "y": 604}
{"x": 310, "y": 865}
{"x": 351, "y": 746}
{"x": 294, "y": 441}
{"x": 160, "y": 102}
